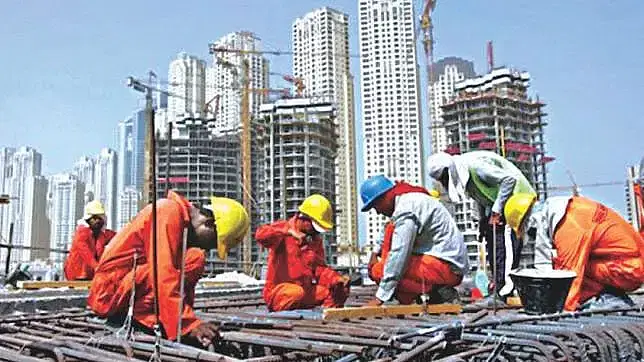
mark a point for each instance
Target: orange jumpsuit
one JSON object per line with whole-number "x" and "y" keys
{"x": 423, "y": 272}
{"x": 85, "y": 252}
{"x": 110, "y": 290}
{"x": 297, "y": 276}
{"x": 601, "y": 247}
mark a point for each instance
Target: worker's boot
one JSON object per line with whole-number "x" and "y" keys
{"x": 610, "y": 298}
{"x": 444, "y": 294}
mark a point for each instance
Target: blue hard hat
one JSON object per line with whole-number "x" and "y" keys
{"x": 372, "y": 188}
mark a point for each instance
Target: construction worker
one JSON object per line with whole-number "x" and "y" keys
{"x": 297, "y": 276}
{"x": 421, "y": 251}
{"x": 88, "y": 244}
{"x": 582, "y": 235}
{"x": 490, "y": 180}
{"x": 221, "y": 224}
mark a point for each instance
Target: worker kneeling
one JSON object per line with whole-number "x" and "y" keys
{"x": 90, "y": 239}
{"x": 422, "y": 250}
{"x": 578, "y": 234}
{"x": 129, "y": 258}
{"x": 297, "y": 276}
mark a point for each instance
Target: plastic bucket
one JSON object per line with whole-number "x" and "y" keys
{"x": 542, "y": 291}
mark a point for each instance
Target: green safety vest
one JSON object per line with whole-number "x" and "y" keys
{"x": 490, "y": 192}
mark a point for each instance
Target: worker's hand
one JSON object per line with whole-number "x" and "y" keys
{"x": 345, "y": 280}
{"x": 375, "y": 302}
{"x": 297, "y": 234}
{"x": 495, "y": 219}
{"x": 205, "y": 333}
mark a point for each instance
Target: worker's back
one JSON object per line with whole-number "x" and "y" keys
{"x": 437, "y": 233}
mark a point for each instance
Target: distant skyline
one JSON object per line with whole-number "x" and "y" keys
{"x": 66, "y": 62}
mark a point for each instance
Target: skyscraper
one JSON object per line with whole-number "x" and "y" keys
{"x": 131, "y": 151}
{"x": 321, "y": 60}
{"x": 27, "y": 209}
{"x": 6, "y": 155}
{"x": 389, "y": 80}
{"x": 224, "y": 80}
{"x": 105, "y": 179}
{"x": 448, "y": 71}
{"x": 186, "y": 78}
{"x": 84, "y": 172}
{"x": 67, "y": 203}
{"x": 128, "y": 207}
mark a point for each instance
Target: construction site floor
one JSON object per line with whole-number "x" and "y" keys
{"x": 250, "y": 333}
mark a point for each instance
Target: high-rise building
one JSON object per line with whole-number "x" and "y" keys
{"x": 390, "y": 85}
{"x": 105, "y": 183}
{"x": 131, "y": 151}
{"x": 223, "y": 79}
{"x": 27, "y": 208}
{"x": 494, "y": 112}
{"x": 200, "y": 164}
{"x": 6, "y": 155}
{"x": 84, "y": 172}
{"x": 128, "y": 205}
{"x": 447, "y": 72}
{"x": 67, "y": 203}
{"x": 186, "y": 79}
{"x": 299, "y": 148}
{"x": 321, "y": 60}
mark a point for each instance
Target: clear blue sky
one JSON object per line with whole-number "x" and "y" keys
{"x": 64, "y": 63}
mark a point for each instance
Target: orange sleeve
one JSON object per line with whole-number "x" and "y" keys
{"x": 323, "y": 273}
{"x": 271, "y": 235}
{"x": 82, "y": 243}
{"x": 169, "y": 239}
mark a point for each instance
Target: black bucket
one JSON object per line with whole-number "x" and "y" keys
{"x": 542, "y": 291}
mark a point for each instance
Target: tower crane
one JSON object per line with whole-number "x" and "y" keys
{"x": 428, "y": 45}
{"x": 296, "y": 81}
{"x": 246, "y": 135}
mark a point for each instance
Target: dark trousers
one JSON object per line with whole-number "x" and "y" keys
{"x": 507, "y": 253}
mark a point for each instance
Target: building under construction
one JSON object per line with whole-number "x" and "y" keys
{"x": 299, "y": 147}
{"x": 493, "y": 112}
{"x": 198, "y": 164}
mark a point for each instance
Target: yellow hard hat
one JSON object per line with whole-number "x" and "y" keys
{"x": 516, "y": 209}
{"x": 232, "y": 223}
{"x": 94, "y": 208}
{"x": 435, "y": 194}
{"x": 319, "y": 209}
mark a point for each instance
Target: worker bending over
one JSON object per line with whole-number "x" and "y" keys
{"x": 582, "y": 235}
{"x": 298, "y": 277}
{"x": 422, "y": 250}
{"x": 88, "y": 244}
{"x": 490, "y": 180}
{"x": 221, "y": 224}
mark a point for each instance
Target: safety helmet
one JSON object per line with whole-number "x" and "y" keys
{"x": 319, "y": 209}
{"x": 435, "y": 194}
{"x": 94, "y": 208}
{"x": 516, "y": 209}
{"x": 372, "y": 188}
{"x": 232, "y": 223}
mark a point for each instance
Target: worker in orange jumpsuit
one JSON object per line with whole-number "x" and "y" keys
{"x": 582, "y": 235}
{"x": 222, "y": 224}
{"x": 422, "y": 251}
{"x": 90, "y": 240}
{"x": 297, "y": 276}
